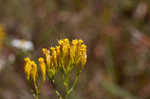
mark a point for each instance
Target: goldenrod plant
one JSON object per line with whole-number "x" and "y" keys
{"x": 65, "y": 59}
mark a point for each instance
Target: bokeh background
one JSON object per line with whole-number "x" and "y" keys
{"x": 117, "y": 33}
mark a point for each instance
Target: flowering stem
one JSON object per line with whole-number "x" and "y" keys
{"x": 68, "y": 91}
{"x": 36, "y": 96}
{"x": 74, "y": 84}
{"x": 37, "y": 91}
{"x": 58, "y": 94}
{"x": 66, "y": 84}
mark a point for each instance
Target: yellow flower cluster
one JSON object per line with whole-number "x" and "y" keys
{"x": 42, "y": 67}
{"x": 30, "y": 69}
{"x": 64, "y": 57}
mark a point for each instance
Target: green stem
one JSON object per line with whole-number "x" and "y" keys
{"x": 58, "y": 94}
{"x": 36, "y": 97}
{"x": 37, "y": 91}
{"x": 66, "y": 84}
{"x": 73, "y": 86}
{"x": 66, "y": 96}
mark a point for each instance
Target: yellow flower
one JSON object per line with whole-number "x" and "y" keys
{"x": 74, "y": 42}
{"x": 64, "y": 46}
{"x": 58, "y": 55}
{"x": 42, "y": 67}
{"x": 46, "y": 52}
{"x": 73, "y": 50}
{"x": 27, "y": 67}
{"x": 53, "y": 56}
{"x": 34, "y": 71}
{"x": 72, "y": 54}
{"x": 66, "y": 41}
{"x": 30, "y": 69}
{"x": 82, "y": 55}
{"x": 80, "y": 42}
{"x": 31, "y": 72}
{"x": 61, "y": 42}
{"x": 64, "y": 56}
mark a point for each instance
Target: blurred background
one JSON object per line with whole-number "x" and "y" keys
{"x": 117, "y": 33}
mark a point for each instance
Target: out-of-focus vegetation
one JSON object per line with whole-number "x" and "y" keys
{"x": 116, "y": 32}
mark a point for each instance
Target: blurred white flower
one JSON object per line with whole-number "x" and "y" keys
{"x": 22, "y": 44}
